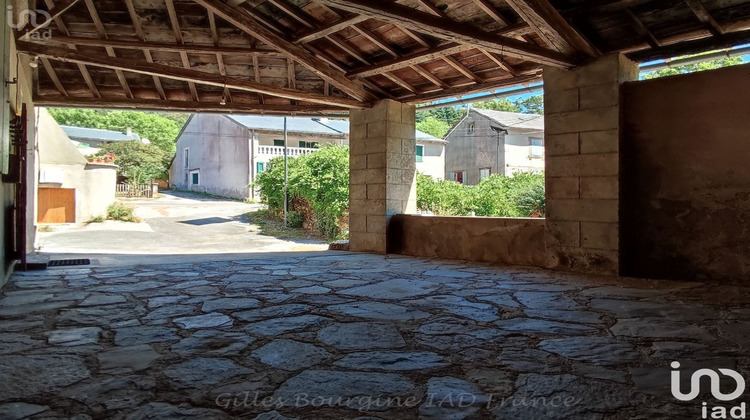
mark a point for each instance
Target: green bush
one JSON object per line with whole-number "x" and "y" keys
{"x": 294, "y": 219}
{"x": 121, "y": 212}
{"x": 322, "y": 178}
{"x": 496, "y": 196}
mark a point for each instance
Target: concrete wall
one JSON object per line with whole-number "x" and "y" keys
{"x": 499, "y": 240}
{"x": 686, "y": 177}
{"x": 433, "y": 161}
{"x": 94, "y": 186}
{"x": 220, "y": 150}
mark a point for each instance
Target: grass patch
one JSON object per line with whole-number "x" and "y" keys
{"x": 45, "y": 228}
{"x": 271, "y": 225}
{"x": 121, "y": 212}
{"x": 96, "y": 219}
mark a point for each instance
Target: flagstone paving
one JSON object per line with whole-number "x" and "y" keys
{"x": 353, "y": 336}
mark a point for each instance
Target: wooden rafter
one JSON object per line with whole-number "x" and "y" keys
{"x": 110, "y": 51}
{"x": 186, "y": 75}
{"x": 500, "y": 62}
{"x": 462, "y": 69}
{"x": 450, "y": 30}
{"x": 81, "y": 68}
{"x": 429, "y": 76}
{"x": 401, "y": 82}
{"x": 219, "y": 57}
{"x": 175, "y": 23}
{"x": 141, "y": 36}
{"x": 727, "y": 40}
{"x": 53, "y": 75}
{"x": 471, "y": 89}
{"x": 47, "y": 18}
{"x": 426, "y": 56}
{"x": 330, "y": 29}
{"x": 162, "y": 46}
{"x": 642, "y": 30}
{"x": 247, "y": 24}
{"x": 705, "y": 16}
{"x": 549, "y": 24}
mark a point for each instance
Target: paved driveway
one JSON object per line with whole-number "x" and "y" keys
{"x": 174, "y": 223}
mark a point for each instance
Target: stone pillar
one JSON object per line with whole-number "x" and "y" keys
{"x": 382, "y": 171}
{"x": 583, "y": 127}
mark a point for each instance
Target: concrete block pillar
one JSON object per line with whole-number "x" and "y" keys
{"x": 583, "y": 128}
{"x": 382, "y": 171}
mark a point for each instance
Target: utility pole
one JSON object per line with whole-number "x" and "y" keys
{"x": 286, "y": 175}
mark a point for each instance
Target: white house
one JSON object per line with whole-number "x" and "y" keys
{"x": 494, "y": 142}
{"x": 223, "y": 154}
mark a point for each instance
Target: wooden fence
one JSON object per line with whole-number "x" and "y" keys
{"x": 128, "y": 190}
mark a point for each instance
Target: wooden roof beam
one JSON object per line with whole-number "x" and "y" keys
{"x": 642, "y": 30}
{"x": 462, "y": 69}
{"x": 142, "y": 37}
{"x": 330, "y": 29}
{"x": 47, "y": 18}
{"x": 160, "y": 46}
{"x": 700, "y": 11}
{"x": 246, "y": 23}
{"x": 471, "y": 89}
{"x": 53, "y": 75}
{"x": 450, "y": 30}
{"x": 186, "y": 75}
{"x": 549, "y": 24}
{"x": 185, "y": 106}
{"x": 219, "y": 57}
{"x": 174, "y": 21}
{"x": 111, "y": 52}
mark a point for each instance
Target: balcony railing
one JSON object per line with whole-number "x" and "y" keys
{"x": 279, "y": 151}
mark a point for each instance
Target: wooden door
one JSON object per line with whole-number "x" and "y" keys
{"x": 57, "y": 205}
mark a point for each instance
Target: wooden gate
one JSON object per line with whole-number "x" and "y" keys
{"x": 57, "y": 205}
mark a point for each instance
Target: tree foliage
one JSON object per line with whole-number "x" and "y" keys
{"x": 496, "y": 196}
{"x": 138, "y": 163}
{"x": 692, "y": 68}
{"x": 160, "y": 128}
{"x": 321, "y": 177}
{"x": 434, "y": 127}
{"x": 530, "y": 105}
{"x": 504, "y": 104}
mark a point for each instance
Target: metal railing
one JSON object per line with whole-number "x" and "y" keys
{"x": 131, "y": 191}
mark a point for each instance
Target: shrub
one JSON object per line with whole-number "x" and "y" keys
{"x": 121, "y": 212}
{"x": 96, "y": 219}
{"x": 321, "y": 178}
{"x": 496, "y": 196}
{"x": 294, "y": 219}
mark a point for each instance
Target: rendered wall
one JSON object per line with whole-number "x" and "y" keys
{"x": 491, "y": 239}
{"x": 220, "y": 150}
{"x": 433, "y": 161}
{"x": 686, "y": 176}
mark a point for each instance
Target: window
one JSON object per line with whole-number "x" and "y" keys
{"x": 309, "y": 144}
{"x": 484, "y": 173}
{"x": 471, "y": 128}
{"x": 195, "y": 178}
{"x": 260, "y": 167}
{"x": 458, "y": 176}
{"x": 420, "y": 153}
{"x": 537, "y": 147}
{"x": 279, "y": 143}
{"x": 186, "y": 156}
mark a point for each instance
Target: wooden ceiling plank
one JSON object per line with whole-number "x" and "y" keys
{"x": 728, "y": 40}
{"x": 160, "y": 46}
{"x": 429, "y": 76}
{"x": 431, "y": 8}
{"x": 426, "y": 56}
{"x": 375, "y": 40}
{"x": 474, "y": 88}
{"x": 330, "y": 29}
{"x": 248, "y": 24}
{"x": 291, "y": 11}
{"x": 500, "y": 62}
{"x": 47, "y": 18}
{"x": 705, "y": 17}
{"x": 343, "y": 44}
{"x": 401, "y": 82}
{"x": 256, "y": 76}
{"x": 552, "y": 27}
{"x": 110, "y": 51}
{"x": 182, "y": 74}
{"x": 142, "y": 37}
{"x": 453, "y": 31}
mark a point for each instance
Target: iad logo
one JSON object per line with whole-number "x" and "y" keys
{"x": 38, "y": 19}
{"x": 718, "y": 412}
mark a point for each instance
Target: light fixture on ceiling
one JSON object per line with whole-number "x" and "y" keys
{"x": 34, "y": 63}
{"x": 223, "y": 100}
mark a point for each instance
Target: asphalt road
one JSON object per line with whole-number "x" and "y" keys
{"x": 173, "y": 224}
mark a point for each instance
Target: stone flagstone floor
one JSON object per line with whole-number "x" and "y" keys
{"x": 343, "y": 336}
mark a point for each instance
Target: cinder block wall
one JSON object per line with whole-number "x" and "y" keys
{"x": 382, "y": 168}
{"x": 583, "y": 127}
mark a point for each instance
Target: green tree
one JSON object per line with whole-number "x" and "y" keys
{"x": 161, "y": 129}
{"x": 498, "y": 105}
{"x": 138, "y": 163}
{"x": 449, "y": 115}
{"x": 692, "y": 68}
{"x": 531, "y": 105}
{"x": 434, "y": 127}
